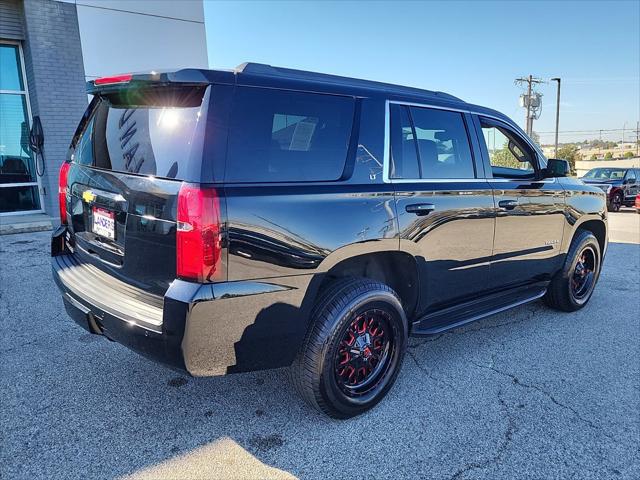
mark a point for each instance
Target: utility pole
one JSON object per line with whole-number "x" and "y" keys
{"x": 557, "y": 113}
{"x": 529, "y": 106}
{"x": 600, "y": 144}
{"x": 637, "y": 139}
{"x": 531, "y": 101}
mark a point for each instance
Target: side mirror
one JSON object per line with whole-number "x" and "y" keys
{"x": 557, "y": 168}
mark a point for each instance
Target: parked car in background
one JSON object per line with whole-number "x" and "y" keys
{"x": 229, "y": 221}
{"x": 620, "y": 185}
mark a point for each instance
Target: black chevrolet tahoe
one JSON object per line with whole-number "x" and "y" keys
{"x": 229, "y": 221}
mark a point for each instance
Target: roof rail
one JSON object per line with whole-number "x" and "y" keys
{"x": 271, "y": 71}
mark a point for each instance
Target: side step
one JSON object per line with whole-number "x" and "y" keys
{"x": 458, "y": 315}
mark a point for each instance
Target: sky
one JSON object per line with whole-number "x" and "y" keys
{"x": 471, "y": 49}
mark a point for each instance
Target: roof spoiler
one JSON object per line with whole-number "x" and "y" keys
{"x": 185, "y": 77}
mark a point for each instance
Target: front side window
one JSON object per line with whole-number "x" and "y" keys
{"x": 428, "y": 143}
{"x": 508, "y": 156}
{"x": 286, "y": 136}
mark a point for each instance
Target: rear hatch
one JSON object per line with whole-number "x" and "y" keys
{"x": 135, "y": 147}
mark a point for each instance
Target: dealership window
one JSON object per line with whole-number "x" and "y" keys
{"x": 18, "y": 181}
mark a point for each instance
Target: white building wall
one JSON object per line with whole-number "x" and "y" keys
{"x": 122, "y": 36}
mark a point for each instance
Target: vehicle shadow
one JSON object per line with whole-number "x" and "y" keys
{"x": 143, "y": 420}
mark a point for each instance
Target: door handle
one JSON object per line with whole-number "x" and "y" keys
{"x": 508, "y": 204}
{"x": 420, "y": 208}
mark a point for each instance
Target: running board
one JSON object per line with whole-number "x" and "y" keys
{"x": 456, "y": 316}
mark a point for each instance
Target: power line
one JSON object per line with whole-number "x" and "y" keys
{"x": 598, "y": 130}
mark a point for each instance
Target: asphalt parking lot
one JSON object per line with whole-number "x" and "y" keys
{"x": 529, "y": 393}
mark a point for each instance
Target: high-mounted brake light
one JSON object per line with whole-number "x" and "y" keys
{"x": 63, "y": 180}
{"x": 198, "y": 234}
{"x": 114, "y": 79}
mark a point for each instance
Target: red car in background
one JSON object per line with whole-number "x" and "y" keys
{"x": 637, "y": 205}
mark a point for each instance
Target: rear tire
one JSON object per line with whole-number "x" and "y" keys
{"x": 572, "y": 287}
{"x": 354, "y": 348}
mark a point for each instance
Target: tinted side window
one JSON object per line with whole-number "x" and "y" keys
{"x": 443, "y": 144}
{"x": 404, "y": 153}
{"x": 631, "y": 175}
{"x": 429, "y": 143}
{"x": 284, "y": 136}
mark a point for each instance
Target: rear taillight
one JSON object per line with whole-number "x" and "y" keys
{"x": 62, "y": 191}
{"x": 198, "y": 234}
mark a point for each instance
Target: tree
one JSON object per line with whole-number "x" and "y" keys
{"x": 504, "y": 158}
{"x": 594, "y": 157}
{"x": 608, "y": 156}
{"x": 603, "y": 145}
{"x": 570, "y": 153}
{"x": 628, "y": 155}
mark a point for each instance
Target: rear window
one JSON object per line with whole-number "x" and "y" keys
{"x": 142, "y": 132}
{"x": 285, "y": 136}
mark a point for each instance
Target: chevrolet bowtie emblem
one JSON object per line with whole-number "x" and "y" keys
{"x": 88, "y": 196}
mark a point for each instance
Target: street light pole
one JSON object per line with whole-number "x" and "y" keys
{"x": 557, "y": 112}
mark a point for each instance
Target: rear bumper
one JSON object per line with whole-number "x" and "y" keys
{"x": 203, "y": 329}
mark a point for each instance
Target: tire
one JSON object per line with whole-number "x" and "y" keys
{"x": 615, "y": 203}
{"x": 351, "y": 315}
{"x": 567, "y": 292}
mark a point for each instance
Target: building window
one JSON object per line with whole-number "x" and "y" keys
{"x": 18, "y": 180}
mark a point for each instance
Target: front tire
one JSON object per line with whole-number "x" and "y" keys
{"x": 615, "y": 203}
{"x": 572, "y": 287}
{"x": 354, "y": 349}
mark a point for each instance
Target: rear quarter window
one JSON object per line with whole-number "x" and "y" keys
{"x": 286, "y": 136}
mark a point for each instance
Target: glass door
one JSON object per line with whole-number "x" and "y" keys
{"x": 19, "y": 192}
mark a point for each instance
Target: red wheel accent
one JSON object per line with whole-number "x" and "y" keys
{"x": 363, "y": 352}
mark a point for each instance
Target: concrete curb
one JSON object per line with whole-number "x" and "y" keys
{"x": 25, "y": 228}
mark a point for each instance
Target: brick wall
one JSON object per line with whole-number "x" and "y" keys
{"x": 55, "y": 76}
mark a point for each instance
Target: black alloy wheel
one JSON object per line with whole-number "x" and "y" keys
{"x": 584, "y": 273}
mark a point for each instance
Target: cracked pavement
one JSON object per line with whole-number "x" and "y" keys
{"x": 530, "y": 393}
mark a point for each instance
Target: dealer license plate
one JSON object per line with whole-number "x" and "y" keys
{"x": 104, "y": 223}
